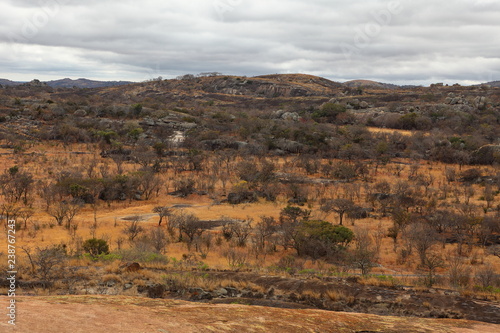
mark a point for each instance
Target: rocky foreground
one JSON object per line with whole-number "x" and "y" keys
{"x": 135, "y": 314}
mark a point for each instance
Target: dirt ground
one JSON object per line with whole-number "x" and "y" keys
{"x": 124, "y": 314}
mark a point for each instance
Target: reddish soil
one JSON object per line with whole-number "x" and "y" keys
{"x": 82, "y": 314}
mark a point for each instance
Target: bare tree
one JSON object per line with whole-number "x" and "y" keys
{"x": 189, "y": 225}
{"x": 145, "y": 157}
{"x": 49, "y": 261}
{"x": 26, "y": 214}
{"x": 290, "y": 218}
{"x": 158, "y": 239}
{"x": 65, "y": 211}
{"x": 58, "y": 212}
{"x": 364, "y": 253}
{"x": 264, "y": 230}
{"x": 162, "y": 211}
{"x": 119, "y": 160}
{"x": 9, "y": 211}
{"x": 134, "y": 229}
{"x": 73, "y": 209}
{"x": 204, "y": 244}
{"x": 339, "y": 206}
{"x": 489, "y": 196}
{"x": 468, "y": 192}
{"x": 489, "y": 227}
{"x": 494, "y": 250}
{"x": 459, "y": 273}
{"x": 16, "y": 185}
{"x": 450, "y": 174}
{"x": 236, "y": 258}
{"x": 241, "y": 230}
{"x": 47, "y": 192}
{"x": 400, "y": 218}
{"x": 421, "y": 237}
{"x": 148, "y": 182}
{"x": 431, "y": 263}
{"x": 487, "y": 277}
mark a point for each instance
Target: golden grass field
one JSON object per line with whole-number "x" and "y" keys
{"x": 51, "y": 158}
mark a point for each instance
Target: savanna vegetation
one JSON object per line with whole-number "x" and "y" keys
{"x": 161, "y": 186}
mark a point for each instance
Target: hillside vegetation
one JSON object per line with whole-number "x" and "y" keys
{"x": 277, "y": 190}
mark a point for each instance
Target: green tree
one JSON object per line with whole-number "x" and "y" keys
{"x": 317, "y": 238}
{"x": 96, "y": 247}
{"x": 136, "y": 109}
{"x": 328, "y": 112}
{"x": 107, "y": 136}
{"x": 135, "y": 133}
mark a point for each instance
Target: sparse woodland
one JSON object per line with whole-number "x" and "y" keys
{"x": 286, "y": 176}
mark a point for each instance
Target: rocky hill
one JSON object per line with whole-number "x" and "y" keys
{"x": 494, "y": 84}
{"x": 287, "y": 85}
{"x": 5, "y": 82}
{"x": 84, "y": 83}
{"x": 69, "y": 83}
{"x": 369, "y": 84}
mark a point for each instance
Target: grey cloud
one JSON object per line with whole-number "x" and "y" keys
{"x": 424, "y": 41}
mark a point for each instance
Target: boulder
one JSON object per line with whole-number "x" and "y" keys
{"x": 277, "y": 114}
{"x": 486, "y": 155}
{"x": 186, "y": 126}
{"x": 290, "y": 116}
{"x": 364, "y": 105}
{"x": 198, "y": 294}
{"x": 480, "y": 102}
{"x": 80, "y": 113}
{"x": 231, "y": 292}
{"x": 153, "y": 290}
{"x": 221, "y": 292}
{"x": 290, "y": 146}
{"x": 147, "y": 122}
{"x": 131, "y": 267}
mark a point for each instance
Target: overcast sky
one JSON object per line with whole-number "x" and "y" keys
{"x": 403, "y": 42}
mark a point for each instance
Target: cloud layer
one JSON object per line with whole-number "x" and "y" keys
{"x": 403, "y": 41}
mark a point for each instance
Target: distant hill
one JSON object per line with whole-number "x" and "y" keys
{"x": 84, "y": 83}
{"x": 69, "y": 83}
{"x": 5, "y": 82}
{"x": 276, "y": 85}
{"x": 370, "y": 84}
{"x": 494, "y": 84}
{"x": 302, "y": 79}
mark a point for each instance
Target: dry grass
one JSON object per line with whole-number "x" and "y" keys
{"x": 335, "y": 295}
{"x": 113, "y": 267}
{"x": 111, "y": 223}
{"x": 311, "y": 294}
{"x": 391, "y": 131}
{"x": 186, "y": 280}
{"x": 142, "y": 274}
{"x": 379, "y": 281}
{"x": 112, "y": 277}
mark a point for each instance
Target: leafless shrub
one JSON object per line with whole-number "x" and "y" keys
{"x": 459, "y": 274}
{"x": 189, "y": 226}
{"x": 204, "y": 244}
{"x": 47, "y": 262}
{"x": 487, "y": 277}
{"x": 236, "y": 258}
{"x": 364, "y": 253}
{"x": 134, "y": 229}
{"x": 159, "y": 240}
